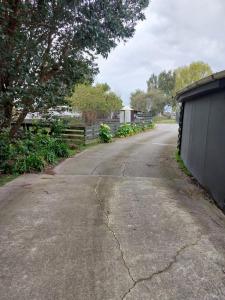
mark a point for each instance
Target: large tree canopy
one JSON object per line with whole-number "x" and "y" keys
{"x": 95, "y": 101}
{"x": 138, "y": 101}
{"x": 152, "y": 83}
{"x": 48, "y": 46}
{"x": 154, "y": 100}
{"x": 158, "y": 101}
{"x": 165, "y": 84}
{"x": 189, "y": 74}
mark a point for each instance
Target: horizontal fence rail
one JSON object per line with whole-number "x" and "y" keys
{"x": 74, "y": 135}
{"x": 79, "y": 134}
{"x": 85, "y": 134}
{"x": 92, "y": 131}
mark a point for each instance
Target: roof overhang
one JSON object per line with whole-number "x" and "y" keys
{"x": 202, "y": 87}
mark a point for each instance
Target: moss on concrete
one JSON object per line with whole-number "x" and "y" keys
{"x": 181, "y": 164}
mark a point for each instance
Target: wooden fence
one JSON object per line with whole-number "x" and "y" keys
{"x": 74, "y": 135}
{"x": 81, "y": 134}
{"x": 85, "y": 134}
{"x": 92, "y": 131}
{"x": 142, "y": 117}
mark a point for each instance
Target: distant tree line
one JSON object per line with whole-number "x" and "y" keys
{"x": 162, "y": 88}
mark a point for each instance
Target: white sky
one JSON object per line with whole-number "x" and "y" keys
{"x": 175, "y": 33}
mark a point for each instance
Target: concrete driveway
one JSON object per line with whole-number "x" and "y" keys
{"x": 118, "y": 221}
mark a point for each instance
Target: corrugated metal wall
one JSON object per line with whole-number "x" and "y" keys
{"x": 203, "y": 142}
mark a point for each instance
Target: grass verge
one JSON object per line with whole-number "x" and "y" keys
{"x": 83, "y": 147}
{"x": 6, "y": 178}
{"x": 163, "y": 120}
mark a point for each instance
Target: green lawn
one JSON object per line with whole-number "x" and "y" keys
{"x": 164, "y": 120}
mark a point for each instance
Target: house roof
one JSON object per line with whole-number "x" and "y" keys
{"x": 206, "y": 85}
{"x": 126, "y": 108}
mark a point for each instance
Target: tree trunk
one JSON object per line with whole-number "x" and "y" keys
{"x": 15, "y": 127}
{"x": 7, "y": 115}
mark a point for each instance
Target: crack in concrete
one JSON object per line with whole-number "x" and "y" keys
{"x": 150, "y": 277}
{"x": 123, "y": 169}
{"x": 167, "y": 268}
{"x": 111, "y": 230}
{"x": 95, "y": 168}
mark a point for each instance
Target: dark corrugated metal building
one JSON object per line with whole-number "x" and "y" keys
{"x": 202, "y": 133}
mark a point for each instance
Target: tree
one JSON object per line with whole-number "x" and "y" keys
{"x": 48, "y": 46}
{"x": 152, "y": 83}
{"x": 189, "y": 74}
{"x": 158, "y": 101}
{"x": 113, "y": 102}
{"x": 95, "y": 101}
{"x": 154, "y": 100}
{"x": 161, "y": 85}
{"x": 166, "y": 84}
{"x": 138, "y": 101}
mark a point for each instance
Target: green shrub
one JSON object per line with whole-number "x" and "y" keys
{"x": 135, "y": 128}
{"x": 150, "y": 125}
{"x": 35, "y": 162}
{"x": 60, "y": 148}
{"x": 57, "y": 126}
{"x": 6, "y": 149}
{"x": 32, "y": 152}
{"x": 105, "y": 134}
{"x": 49, "y": 156}
{"x": 125, "y": 130}
{"x": 130, "y": 129}
{"x": 19, "y": 166}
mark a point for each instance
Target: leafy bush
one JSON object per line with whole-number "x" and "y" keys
{"x": 57, "y": 126}
{"x": 49, "y": 155}
{"x": 34, "y": 162}
{"x": 60, "y": 148}
{"x": 131, "y": 129}
{"x": 150, "y": 125}
{"x": 125, "y": 130}
{"x": 105, "y": 133}
{"x": 32, "y": 152}
{"x": 51, "y": 125}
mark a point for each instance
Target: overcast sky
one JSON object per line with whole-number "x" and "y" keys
{"x": 175, "y": 33}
